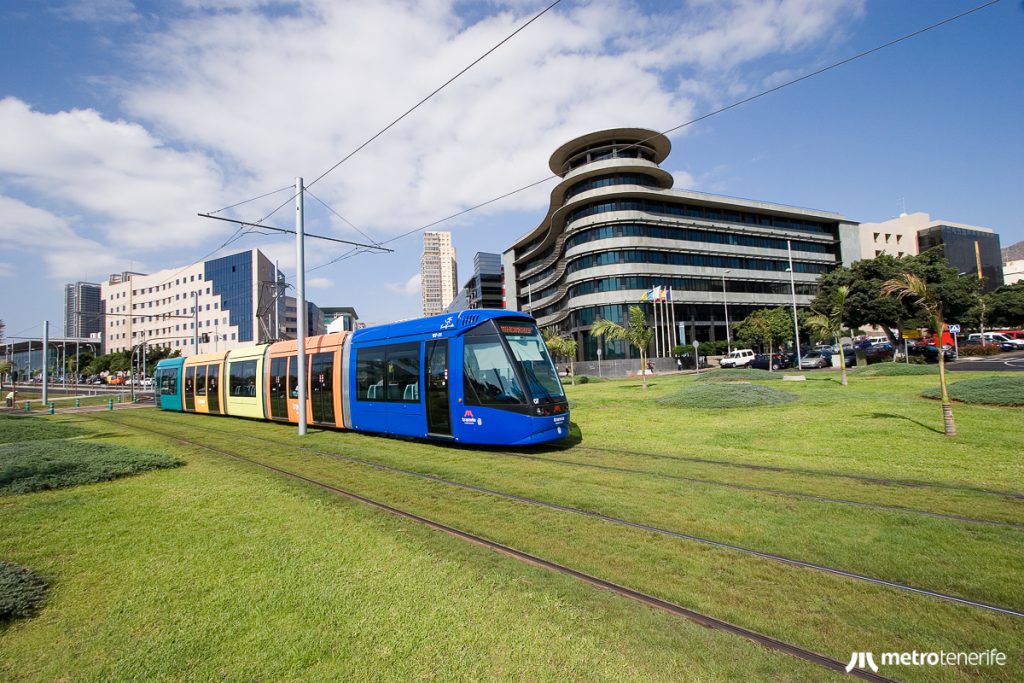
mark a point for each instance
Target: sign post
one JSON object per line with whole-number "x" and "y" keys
{"x": 953, "y": 330}
{"x": 696, "y": 356}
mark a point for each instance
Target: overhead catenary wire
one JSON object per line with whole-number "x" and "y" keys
{"x": 698, "y": 119}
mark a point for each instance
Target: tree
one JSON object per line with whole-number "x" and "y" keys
{"x": 866, "y": 304}
{"x": 830, "y": 323}
{"x": 562, "y": 347}
{"x": 927, "y": 299}
{"x": 765, "y": 328}
{"x": 637, "y": 334}
{"x": 1006, "y": 306}
{"x": 5, "y": 370}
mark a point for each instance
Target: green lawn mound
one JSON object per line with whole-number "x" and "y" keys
{"x": 21, "y": 591}
{"x": 737, "y": 375}
{"x": 890, "y": 369}
{"x": 727, "y": 396}
{"x": 14, "y": 428}
{"x": 37, "y": 466}
{"x": 994, "y": 391}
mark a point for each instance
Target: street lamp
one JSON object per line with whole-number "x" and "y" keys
{"x": 725, "y": 302}
{"x": 792, "y": 287}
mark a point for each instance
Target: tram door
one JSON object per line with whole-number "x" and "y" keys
{"x": 213, "y": 388}
{"x": 278, "y": 392}
{"x": 439, "y": 420}
{"x": 321, "y": 388}
{"x": 190, "y": 383}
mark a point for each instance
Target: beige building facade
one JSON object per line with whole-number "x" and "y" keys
{"x": 438, "y": 272}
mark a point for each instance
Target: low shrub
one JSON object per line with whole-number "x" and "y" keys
{"x": 17, "y": 428}
{"x": 37, "y": 466}
{"x": 890, "y": 369}
{"x": 586, "y": 379}
{"x": 727, "y": 396}
{"x": 22, "y": 591}
{"x": 737, "y": 375}
{"x": 995, "y": 391}
{"x": 977, "y": 350}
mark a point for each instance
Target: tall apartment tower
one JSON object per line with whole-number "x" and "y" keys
{"x": 438, "y": 271}
{"x": 83, "y": 309}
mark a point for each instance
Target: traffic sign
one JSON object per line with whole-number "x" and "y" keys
{"x": 954, "y": 329}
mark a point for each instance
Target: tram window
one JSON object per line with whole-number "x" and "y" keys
{"x": 403, "y": 363}
{"x": 242, "y": 379}
{"x": 370, "y": 374}
{"x": 489, "y": 374}
{"x": 168, "y": 383}
{"x": 201, "y": 381}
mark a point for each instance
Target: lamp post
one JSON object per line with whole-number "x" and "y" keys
{"x": 792, "y": 287}
{"x": 599, "y": 362}
{"x": 725, "y": 302}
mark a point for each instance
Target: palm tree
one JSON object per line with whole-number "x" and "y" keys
{"x": 638, "y": 334}
{"x": 562, "y": 347}
{"x": 908, "y": 285}
{"x": 830, "y": 324}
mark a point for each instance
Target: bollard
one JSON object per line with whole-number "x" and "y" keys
{"x": 78, "y": 403}
{"x": 120, "y": 397}
{"x": 27, "y": 404}
{"x": 51, "y": 407}
{"x": 110, "y": 404}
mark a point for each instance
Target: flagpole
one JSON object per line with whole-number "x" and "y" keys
{"x": 672, "y": 308}
{"x": 657, "y": 341}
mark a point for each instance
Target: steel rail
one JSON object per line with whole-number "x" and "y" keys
{"x": 700, "y": 618}
{"x": 653, "y": 529}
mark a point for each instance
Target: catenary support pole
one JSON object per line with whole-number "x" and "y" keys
{"x": 792, "y": 286}
{"x": 46, "y": 348}
{"x": 300, "y": 305}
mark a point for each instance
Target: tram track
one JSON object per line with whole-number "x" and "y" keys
{"x": 906, "y": 483}
{"x": 627, "y": 523}
{"x": 688, "y": 614}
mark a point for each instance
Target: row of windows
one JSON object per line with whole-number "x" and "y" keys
{"x": 602, "y": 151}
{"x": 685, "y": 313}
{"x": 680, "y": 285}
{"x": 609, "y": 180}
{"x": 692, "y": 235}
{"x": 389, "y": 373}
{"x": 686, "y": 259}
{"x": 703, "y": 212}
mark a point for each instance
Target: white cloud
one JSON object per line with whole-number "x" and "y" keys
{"x": 136, "y": 190}
{"x": 319, "y": 283}
{"x": 409, "y": 287}
{"x": 6, "y": 270}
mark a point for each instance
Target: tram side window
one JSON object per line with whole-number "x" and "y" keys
{"x": 370, "y": 374}
{"x": 389, "y": 373}
{"x": 403, "y": 363}
{"x": 201, "y": 381}
{"x": 168, "y": 383}
{"x": 242, "y": 379}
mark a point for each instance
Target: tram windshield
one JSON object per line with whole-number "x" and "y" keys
{"x": 531, "y": 352}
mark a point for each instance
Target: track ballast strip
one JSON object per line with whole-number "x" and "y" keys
{"x": 645, "y": 527}
{"x": 672, "y": 608}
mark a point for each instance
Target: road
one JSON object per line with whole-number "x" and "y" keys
{"x": 1013, "y": 360}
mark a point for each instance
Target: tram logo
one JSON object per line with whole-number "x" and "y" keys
{"x": 449, "y": 323}
{"x": 468, "y": 419}
{"x": 862, "y": 660}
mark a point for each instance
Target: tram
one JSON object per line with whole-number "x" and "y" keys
{"x": 476, "y": 377}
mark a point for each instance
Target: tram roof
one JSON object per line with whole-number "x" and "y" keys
{"x": 448, "y": 323}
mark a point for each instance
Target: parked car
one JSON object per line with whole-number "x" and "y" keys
{"x": 930, "y": 352}
{"x": 995, "y": 337}
{"x": 778, "y": 361}
{"x": 1011, "y": 334}
{"x": 816, "y": 359}
{"x": 740, "y": 358}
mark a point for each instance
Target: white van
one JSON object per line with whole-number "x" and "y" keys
{"x": 994, "y": 338}
{"x": 740, "y": 358}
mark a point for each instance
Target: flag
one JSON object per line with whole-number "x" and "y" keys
{"x": 668, "y": 295}
{"x": 659, "y": 293}
{"x": 648, "y": 295}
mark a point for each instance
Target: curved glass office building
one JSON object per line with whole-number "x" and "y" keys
{"x": 616, "y": 228}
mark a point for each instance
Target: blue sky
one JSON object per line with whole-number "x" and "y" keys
{"x": 121, "y": 120}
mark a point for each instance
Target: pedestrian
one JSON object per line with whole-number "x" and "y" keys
{"x": 10, "y": 398}
{"x": 679, "y": 364}
{"x": 650, "y": 366}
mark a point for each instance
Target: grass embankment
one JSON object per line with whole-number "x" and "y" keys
{"x": 262, "y": 534}
{"x": 219, "y": 570}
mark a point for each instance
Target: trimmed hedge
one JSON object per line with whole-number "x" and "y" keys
{"x": 993, "y": 391}
{"x": 890, "y": 369}
{"x": 37, "y": 466}
{"x": 727, "y": 396}
{"x": 22, "y": 591}
{"x": 737, "y": 375}
{"x": 977, "y": 350}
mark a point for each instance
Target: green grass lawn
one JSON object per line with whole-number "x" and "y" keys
{"x": 219, "y": 570}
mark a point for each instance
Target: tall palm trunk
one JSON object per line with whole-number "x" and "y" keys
{"x": 643, "y": 367}
{"x": 947, "y": 408}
